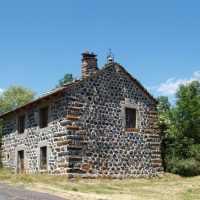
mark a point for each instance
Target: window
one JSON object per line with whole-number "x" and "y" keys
{"x": 130, "y": 118}
{"x": 20, "y": 162}
{"x": 43, "y": 157}
{"x": 21, "y": 124}
{"x": 43, "y": 117}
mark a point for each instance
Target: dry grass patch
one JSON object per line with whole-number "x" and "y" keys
{"x": 168, "y": 187}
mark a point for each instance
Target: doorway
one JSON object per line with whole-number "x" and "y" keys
{"x": 20, "y": 162}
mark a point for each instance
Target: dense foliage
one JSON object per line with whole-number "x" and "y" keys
{"x": 67, "y": 78}
{"x": 180, "y": 130}
{"x": 14, "y": 97}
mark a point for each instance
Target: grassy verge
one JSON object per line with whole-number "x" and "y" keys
{"x": 168, "y": 187}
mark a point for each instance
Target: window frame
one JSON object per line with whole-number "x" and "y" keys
{"x": 18, "y": 148}
{"x": 42, "y": 144}
{"x": 43, "y": 165}
{"x": 130, "y": 113}
{"x": 20, "y": 161}
{"x": 19, "y": 120}
{"x": 41, "y": 125}
{"x": 137, "y": 117}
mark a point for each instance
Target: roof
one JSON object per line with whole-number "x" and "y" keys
{"x": 59, "y": 90}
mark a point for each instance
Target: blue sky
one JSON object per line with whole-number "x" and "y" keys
{"x": 157, "y": 41}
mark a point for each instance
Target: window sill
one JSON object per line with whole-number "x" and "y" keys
{"x": 131, "y": 129}
{"x": 21, "y": 135}
{"x": 44, "y": 128}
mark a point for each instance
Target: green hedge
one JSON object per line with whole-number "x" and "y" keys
{"x": 184, "y": 167}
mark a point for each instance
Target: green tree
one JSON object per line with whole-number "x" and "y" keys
{"x": 164, "y": 105}
{"x": 67, "y": 78}
{"x": 14, "y": 97}
{"x": 186, "y": 115}
{"x": 180, "y": 138}
{"x": 164, "y": 125}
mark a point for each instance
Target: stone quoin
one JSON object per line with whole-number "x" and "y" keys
{"x": 103, "y": 125}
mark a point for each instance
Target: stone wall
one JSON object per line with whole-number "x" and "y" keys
{"x": 86, "y": 135}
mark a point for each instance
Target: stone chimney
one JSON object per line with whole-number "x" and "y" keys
{"x": 89, "y": 64}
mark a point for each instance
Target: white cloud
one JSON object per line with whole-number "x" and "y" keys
{"x": 197, "y": 75}
{"x": 171, "y": 85}
{"x": 1, "y": 91}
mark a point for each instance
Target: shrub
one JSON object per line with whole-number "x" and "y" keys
{"x": 195, "y": 152}
{"x": 184, "y": 167}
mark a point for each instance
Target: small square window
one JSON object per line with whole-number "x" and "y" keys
{"x": 43, "y": 117}
{"x": 130, "y": 118}
{"x": 21, "y": 124}
{"x": 43, "y": 157}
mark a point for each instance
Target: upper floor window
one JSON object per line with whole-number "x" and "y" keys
{"x": 43, "y": 117}
{"x": 130, "y": 115}
{"x": 21, "y": 124}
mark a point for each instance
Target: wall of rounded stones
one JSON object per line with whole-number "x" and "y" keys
{"x": 85, "y": 134}
{"x": 112, "y": 151}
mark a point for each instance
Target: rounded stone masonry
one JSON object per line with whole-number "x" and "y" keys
{"x": 88, "y": 131}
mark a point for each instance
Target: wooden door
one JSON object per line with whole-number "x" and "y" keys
{"x": 20, "y": 163}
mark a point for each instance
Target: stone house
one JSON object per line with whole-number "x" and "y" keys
{"x": 103, "y": 125}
